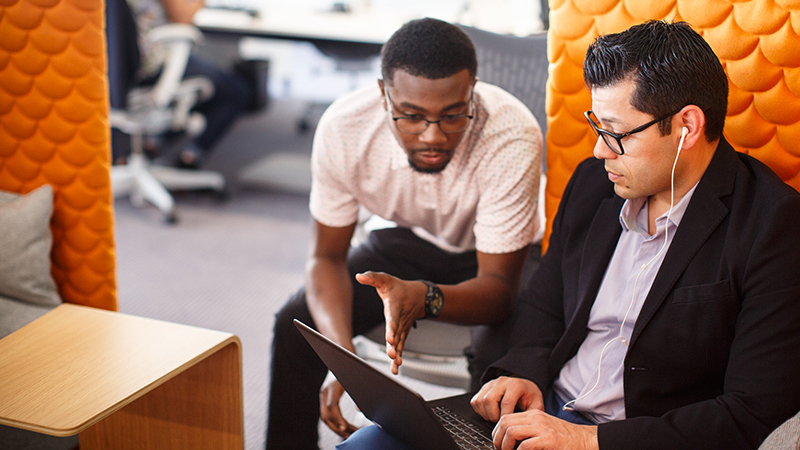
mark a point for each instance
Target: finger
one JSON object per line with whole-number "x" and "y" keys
{"x": 503, "y": 434}
{"x": 486, "y": 401}
{"x": 508, "y": 441}
{"x": 396, "y": 365}
{"x": 334, "y": 420}
{"x": 477, "y": 401}
{"x": 370, "y": 278}
{"x": 399, "y": 342}
{"x": 331, "y": 414}
{"x": 509, "y": 402}
{"x": 341, "y": 426}
{"x": 533, "y": 427}
{"x": 391, "y": 330}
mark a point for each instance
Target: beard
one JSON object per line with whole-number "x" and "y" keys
{"x": 421, "y": 169}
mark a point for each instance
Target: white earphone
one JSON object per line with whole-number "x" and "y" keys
{"x": 568, "y": 405}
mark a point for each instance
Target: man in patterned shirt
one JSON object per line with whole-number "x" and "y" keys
{"x": 455, "y": 164}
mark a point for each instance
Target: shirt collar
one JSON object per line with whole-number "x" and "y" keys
{"x": 633, "y": 215}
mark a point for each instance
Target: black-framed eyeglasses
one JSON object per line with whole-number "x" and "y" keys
{"x": 615, "y": 144}
{"x": 449, "y": 124}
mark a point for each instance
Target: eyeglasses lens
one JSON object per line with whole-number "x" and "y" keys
{"x": 455, "y": 124}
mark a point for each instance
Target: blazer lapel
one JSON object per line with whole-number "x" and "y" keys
{"x": 703, "y": 215}
{"x": 597, "y": 252}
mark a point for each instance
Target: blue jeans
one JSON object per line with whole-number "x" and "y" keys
{"x": 372, "y": 437}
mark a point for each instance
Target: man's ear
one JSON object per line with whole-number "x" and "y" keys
{"x": 383, "y": 97}
{"x": 694, "y": 120}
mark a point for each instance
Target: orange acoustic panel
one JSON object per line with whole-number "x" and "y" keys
{"x": 54, "y": 130}
{"x": 756, "y": 40}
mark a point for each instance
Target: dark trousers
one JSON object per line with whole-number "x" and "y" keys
{"x": 297, "y": 372}
{"x": 231, "y": 97}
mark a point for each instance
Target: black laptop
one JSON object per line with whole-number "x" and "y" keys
{"x": 444, "y": 424}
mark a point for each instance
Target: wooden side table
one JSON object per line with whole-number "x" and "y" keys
{"x": 123, "y": 382}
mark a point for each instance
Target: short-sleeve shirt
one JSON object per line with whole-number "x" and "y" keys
{"x": 485, "y": 199}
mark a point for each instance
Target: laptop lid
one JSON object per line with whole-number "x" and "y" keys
{"x": 398, "y": 410}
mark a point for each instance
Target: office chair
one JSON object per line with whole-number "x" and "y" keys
{"x": 519, "y": 65}
{"x": 434, "y": 351}
{"x": 351, "y": 58}
{"x": 155, "y": 110}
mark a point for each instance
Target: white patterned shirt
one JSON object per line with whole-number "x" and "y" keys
{"x": 485, "y": 199}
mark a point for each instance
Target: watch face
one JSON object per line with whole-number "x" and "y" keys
{"x": 436, "y": 302}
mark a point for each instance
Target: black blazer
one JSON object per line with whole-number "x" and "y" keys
{"x": 714, "y": 360}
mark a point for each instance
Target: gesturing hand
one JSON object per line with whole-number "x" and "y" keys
{"x": 403, "y": 303}
{"x": 329, "y": 411}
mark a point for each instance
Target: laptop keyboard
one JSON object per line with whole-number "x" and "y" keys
{"x": 467, "y": 435}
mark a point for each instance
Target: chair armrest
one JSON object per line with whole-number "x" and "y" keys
{"x": 175, "y": 32}
{"x": 178, "y": 40}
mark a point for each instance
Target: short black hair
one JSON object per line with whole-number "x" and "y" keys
{"x": 671, "y": 65}
{"x": 428, "y": 48}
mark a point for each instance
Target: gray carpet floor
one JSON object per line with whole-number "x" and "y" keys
{"x": 229, "y": 265}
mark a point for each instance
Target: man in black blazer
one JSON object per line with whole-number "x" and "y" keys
{"x": 666, "y": 311}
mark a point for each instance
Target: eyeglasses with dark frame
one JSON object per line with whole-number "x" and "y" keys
{"x": 606, "y": 135}
{"x": 449, "y": 124}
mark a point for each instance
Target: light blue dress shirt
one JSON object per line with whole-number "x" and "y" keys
{"x": 631, "y": 272}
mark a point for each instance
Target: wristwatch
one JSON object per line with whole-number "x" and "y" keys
{"x": 434, "y": 300}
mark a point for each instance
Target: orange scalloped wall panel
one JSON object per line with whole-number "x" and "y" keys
{"x": 756, "y": 40}
{"x": 54, "y": 130}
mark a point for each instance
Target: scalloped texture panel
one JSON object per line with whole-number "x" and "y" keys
{"x": 54, "y": 129}
{"x": 756, "y": 40}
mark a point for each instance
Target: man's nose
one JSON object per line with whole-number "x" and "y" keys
{"x": 433, "y": 135}
{"x": 602, "y": 151}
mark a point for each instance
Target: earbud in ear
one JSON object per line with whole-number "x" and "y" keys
{"x": 684, "y": 132}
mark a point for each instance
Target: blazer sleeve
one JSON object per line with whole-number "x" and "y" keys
{"x": 539, "y": 320}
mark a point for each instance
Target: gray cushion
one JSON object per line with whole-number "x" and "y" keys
{"x": 15, "y": 314}
{"x": 27, "y": 289}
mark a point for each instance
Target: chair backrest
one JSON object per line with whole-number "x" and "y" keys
{"x": 54, "y": 130}
{"x": 756, "y": 41}
{"x": 518, "y": 65}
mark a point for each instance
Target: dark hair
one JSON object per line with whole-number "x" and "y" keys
{"x": 671, "y": 65}
{"x": 428, "y": 48}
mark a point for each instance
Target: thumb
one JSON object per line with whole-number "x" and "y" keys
{"x": 370, "y": 278}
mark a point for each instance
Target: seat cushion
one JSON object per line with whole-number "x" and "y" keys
{"x": 27, "y": 289}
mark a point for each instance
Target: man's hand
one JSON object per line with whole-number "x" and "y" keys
{"x": 329, "y": 411}
{"x": 403, "y": 303}
{"x": 537, "y": 430}
{"x": 503, "y": 395}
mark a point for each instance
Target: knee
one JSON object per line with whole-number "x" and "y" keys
{"x": 295, "y": 308}
{"x": 372, "y": 437}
